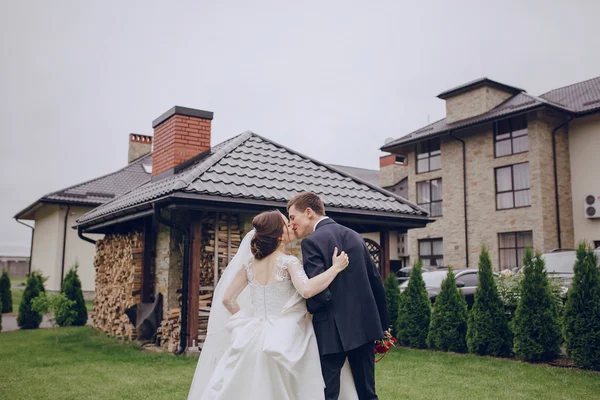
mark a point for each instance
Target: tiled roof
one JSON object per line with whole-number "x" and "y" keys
{"x": 254, "y": 168}
{"x": 368, "y": 175}
{"x": 519, "y": 103}
{"x": 100, "y": 190}
{"x": 575, "y": 99}
{"x": 581, "y": 97}
{"x": 476, "y": 83}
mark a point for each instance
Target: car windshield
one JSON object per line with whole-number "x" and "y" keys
{"x": 432, "y": 279}
{"x": 559, "y": 263}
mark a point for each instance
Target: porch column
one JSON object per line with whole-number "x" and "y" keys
{"x": 194, "y": 280}
{"x": 385, "y": 253}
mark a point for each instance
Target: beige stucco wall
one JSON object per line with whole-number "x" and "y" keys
{"x": 474, "y": 102}
{"x": 584, "y": 147}
{"x": 45, "y": 256}
{"x": 48, "y": 246}
{"x": 484, "y": 221}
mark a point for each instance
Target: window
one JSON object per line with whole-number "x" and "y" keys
{"x": 429, "y": 196}
{"x": 400, "y": 160}
{"x": 512, "y": 248}
{"x": 512, "y": 186}
{"x": 597, "y": 244}
{"x": 428, "y": 155}
{"x": 511, "y": 136}
{"x": 469, "y": 280}
{"x": 431, "y": 252}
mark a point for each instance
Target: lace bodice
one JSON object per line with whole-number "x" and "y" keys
{"x": 269, "y": 299}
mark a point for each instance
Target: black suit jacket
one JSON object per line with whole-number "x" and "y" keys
{"x": 352, "y": 311}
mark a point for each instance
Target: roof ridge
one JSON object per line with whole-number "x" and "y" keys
{"x": 347, "y": 175}
{"x": 349, "y": 166}
{"x": 550, "y": 102}
{"x": 188, "y": 177}
{"x": 411, "y": 133}
{"x": 138, "y": 160}
{"x": 572, "y": 84}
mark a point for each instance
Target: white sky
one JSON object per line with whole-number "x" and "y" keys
{"x": 331, "y": 79}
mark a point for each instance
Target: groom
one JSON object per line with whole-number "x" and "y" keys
{"x": 351, "y": 314}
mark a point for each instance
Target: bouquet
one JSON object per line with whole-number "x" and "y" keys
{"x": 384, "y": 345}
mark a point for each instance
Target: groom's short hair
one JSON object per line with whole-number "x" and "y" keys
{"x": 305, "y": 200}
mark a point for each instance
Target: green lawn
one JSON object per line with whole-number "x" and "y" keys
{"x": 88, "y": 365}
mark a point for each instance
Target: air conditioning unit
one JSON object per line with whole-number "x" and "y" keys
{"x": 592, "y": 206}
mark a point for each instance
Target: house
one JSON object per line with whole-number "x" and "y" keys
{"x": 176, "y": 233}
{"x": 504, "y": 169}
{"x": 55, "y": 247}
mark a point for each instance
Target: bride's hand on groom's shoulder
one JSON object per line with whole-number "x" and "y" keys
{"x": 339, "y": 262}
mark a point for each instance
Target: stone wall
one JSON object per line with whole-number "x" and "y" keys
{"x": 473, "y": 102}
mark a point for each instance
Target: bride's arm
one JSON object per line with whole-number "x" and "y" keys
{"x": 311, "y": 287}
{"x": 233, "y": 291}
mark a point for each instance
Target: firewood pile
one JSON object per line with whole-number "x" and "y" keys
{"x": 169, "y": 330}
{"x": 118, "y": 265}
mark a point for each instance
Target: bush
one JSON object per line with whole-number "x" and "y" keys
{"x": 488, "y": 332}
{"x": 72, "y": 290}
{"x": 55, "y": 306}
{"x": 582, "y": 312}
{"x": 448, "y": 329}
{"x": 415, "y": 311}
{"x": 29, "y": 318}
{"x": 5, "y": 294}
{"x": 536, "y": 324}
{"x": 0, "y": 316}
{"x": 392, "y": 294}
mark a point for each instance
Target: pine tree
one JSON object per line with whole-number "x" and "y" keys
{"x": 5, "y": 293}
{"x": 72, "y": 289}
{"x": 536, "y": 324}
{"x": 448, "y": 329}
{"x": 0, "y": 315}
{"x": 392, "y": 294}
{"x": 487, "y": 331}
{"x": 582, "y": 312}
{"x": 415, "y": 311}
{"x": 29, "y": 319}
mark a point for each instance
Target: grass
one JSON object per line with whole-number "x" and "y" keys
{"x": 17, "y": 287}
{"x": 89, "y": 365}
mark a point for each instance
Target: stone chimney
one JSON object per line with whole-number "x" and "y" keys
{"x": 475, "y": 98}
{"x": 179, "y": 135}
{"x": 139, "y": 145}
{"x": 392, "y": 169}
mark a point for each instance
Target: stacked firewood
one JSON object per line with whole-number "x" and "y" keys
{"x": 169, "y": 330}
{"x": 118, "y": 265}
{"x": 229, "y": 238}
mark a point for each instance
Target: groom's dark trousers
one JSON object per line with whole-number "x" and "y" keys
{"x": 351, "y": 314}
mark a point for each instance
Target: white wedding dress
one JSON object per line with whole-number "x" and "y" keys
{"x": 271, "y": 351}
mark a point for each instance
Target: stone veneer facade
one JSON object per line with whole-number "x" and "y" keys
{"x": 474, "y": 102}
{"x": 484, "y": 221}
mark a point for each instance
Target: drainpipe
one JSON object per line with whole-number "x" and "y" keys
{"x": 87, "y": 239}
{"x": 64, "y": 247}
{"x": 566, "y": 123}
{"x": 185, "y": 273}
{"x": 464, "y": 161}
{"x": 31, "y": 245}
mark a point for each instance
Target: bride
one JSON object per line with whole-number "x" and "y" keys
{"x": 261, "y": 343}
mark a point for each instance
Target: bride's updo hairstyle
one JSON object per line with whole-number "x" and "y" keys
{"x": 269, "y": 226}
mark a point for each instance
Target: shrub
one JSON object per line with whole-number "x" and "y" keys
{"x": 448, "y": 329}
{"x": 582, "y": 312}
{"x": 5, "y": 293}
{"x": 488, "y": 332}
{"x": 414, "y": 312}
{"x": 536, "y": 324}
{"x": 29, "y": 318}
{"x": 72, "y": 290}
{"x": 0, "y": 316}
{"x": 55, "y": 306}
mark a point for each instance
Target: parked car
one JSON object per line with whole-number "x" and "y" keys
{"x": 560, "y": 263}
{"x": 466, "y": 279}
{"x": 404, "y": 273}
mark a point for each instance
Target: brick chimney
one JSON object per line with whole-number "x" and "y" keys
{"x": 179, "y": 134}
{"x": 139, "y": 145}
{"x": 392, "y": 169}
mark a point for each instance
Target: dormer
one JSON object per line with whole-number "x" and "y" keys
{"x": 475, "y": 98}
